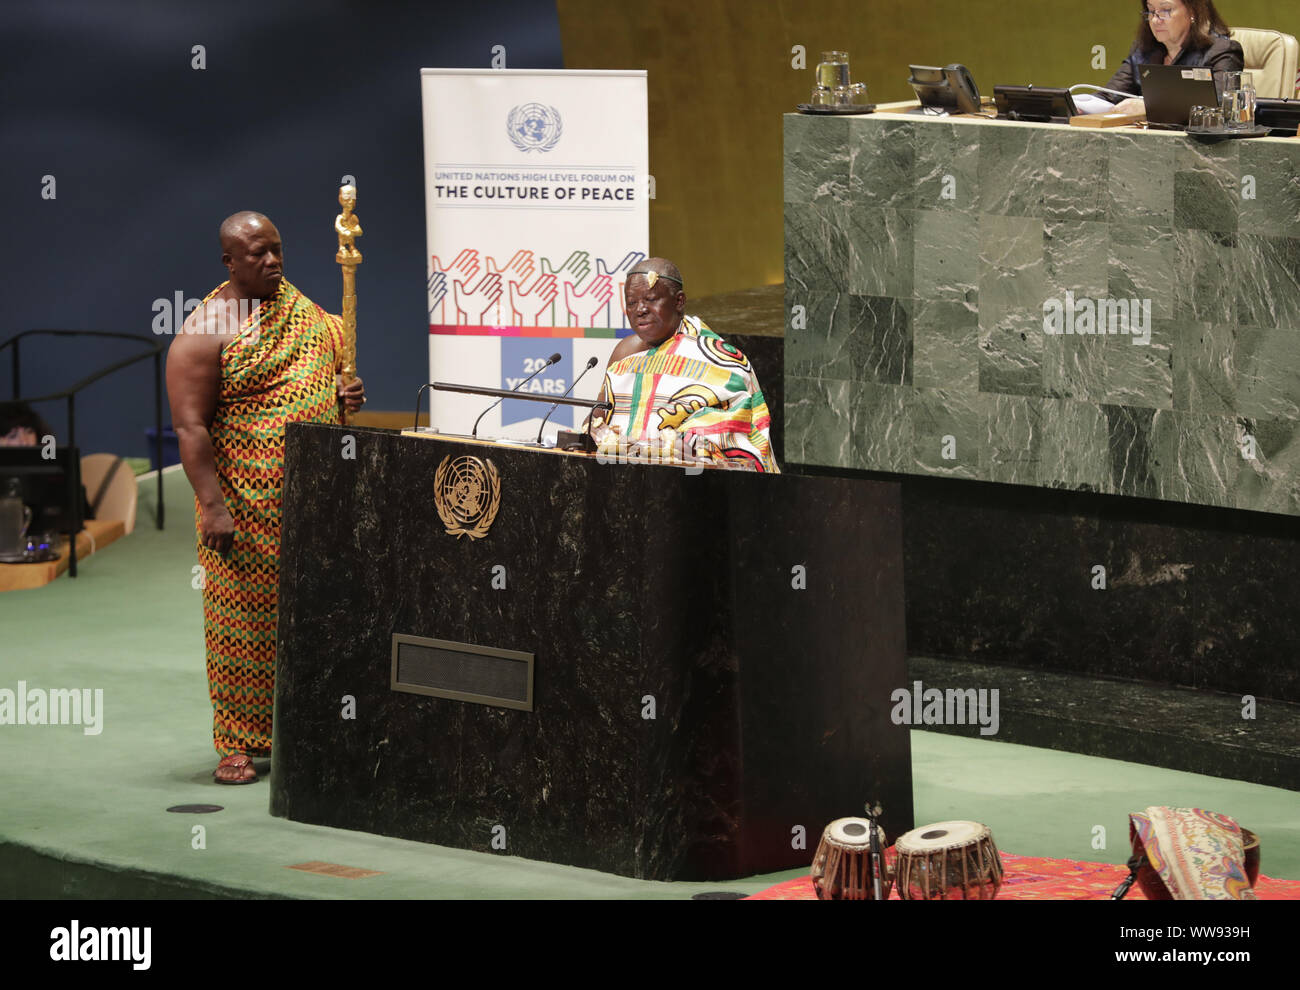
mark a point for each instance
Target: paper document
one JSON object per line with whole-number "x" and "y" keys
{"x": 1088, "y": 103}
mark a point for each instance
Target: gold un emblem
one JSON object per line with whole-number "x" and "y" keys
{"x": 467, "y": 492}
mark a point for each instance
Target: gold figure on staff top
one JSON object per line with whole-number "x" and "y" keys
{"x": 348, "y": 227}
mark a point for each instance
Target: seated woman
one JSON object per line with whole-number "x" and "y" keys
{"x": 21, "y": 425}
{"x": 1175, "y": 32}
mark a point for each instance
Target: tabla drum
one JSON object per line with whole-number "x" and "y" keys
{"x": 948, "y": 861}
{"x": 1251, "y": 843}
{"x": 841, "y": 870}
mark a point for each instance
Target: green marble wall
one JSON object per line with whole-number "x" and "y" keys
{"x": 920, "y": 254}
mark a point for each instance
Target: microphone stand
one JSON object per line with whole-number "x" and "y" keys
{"x": 877, "y": 854}
{"x": 554, "y": 358}
{"x": 590, "y": 364}
{"x": 596, "y": 405}
{"x": 1134, "y": 864}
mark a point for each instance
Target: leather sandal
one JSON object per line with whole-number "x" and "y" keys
{"x": 240, "y": 761}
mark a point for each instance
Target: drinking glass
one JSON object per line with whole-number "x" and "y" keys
{"x": 822, "y": 96}
{"x": 857, "y": 95}
{"x": 1233, "y": 103}
{"x": 1227, "y": 79}
{"x": 833, "y": 70}
{"x": 1248, "y": 109}
{"x": 14, "y": 520}
{"x": 1205, "y": 119}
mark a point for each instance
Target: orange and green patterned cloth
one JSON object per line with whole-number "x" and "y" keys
{"x": 279, "y": 369}
{"x": 698, "y": 385}
{"x": 1036, "y": 878}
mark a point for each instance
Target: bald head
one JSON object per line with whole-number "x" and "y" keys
{"x": 660, "y": 268}
{"x": 653, "y": 300}
{"x": 252, "y": 253}
{"x": 235, "y": 225}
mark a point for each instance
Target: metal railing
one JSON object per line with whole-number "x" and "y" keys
{"x": 152, "y": 348}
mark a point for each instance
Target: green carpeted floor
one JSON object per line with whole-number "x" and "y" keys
{"x": 85, "y": 815}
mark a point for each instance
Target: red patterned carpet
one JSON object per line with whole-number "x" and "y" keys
{"x": 1034, "y": 878}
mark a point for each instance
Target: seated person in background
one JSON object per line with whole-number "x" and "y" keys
{"x": 1175, "y": 32}
{"x": 21, "y": 425}
{"x": 673, "y": 379}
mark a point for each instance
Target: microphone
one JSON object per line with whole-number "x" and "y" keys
{"x": 590, "y": 364}
{"x": 553, "y": 359}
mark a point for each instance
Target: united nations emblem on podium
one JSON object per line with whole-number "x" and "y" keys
{"x": 467, "y": 493}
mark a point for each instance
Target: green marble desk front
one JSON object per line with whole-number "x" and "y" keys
{"x": 930, "y": 262}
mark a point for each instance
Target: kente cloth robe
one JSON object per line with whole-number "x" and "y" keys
{"x": 696, "y": 384}
{"x": 279, "y": 369}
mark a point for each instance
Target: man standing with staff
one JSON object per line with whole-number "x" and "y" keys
{"x": 233, "y": 385}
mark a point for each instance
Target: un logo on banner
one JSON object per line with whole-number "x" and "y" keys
{"x": 534, "y": 127}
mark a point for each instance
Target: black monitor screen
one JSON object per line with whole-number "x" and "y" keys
{"x": 44, "y": 484}
{"x": 1282, "y": 117}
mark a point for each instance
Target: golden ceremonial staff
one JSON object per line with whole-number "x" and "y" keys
{"x": 348, "y": 227}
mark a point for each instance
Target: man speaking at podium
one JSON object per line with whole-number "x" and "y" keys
{"x": 257, "y": 354}
{"x": 674, "y": 376}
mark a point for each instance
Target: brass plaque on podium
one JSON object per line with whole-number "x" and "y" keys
{"x": 462, "y": 672}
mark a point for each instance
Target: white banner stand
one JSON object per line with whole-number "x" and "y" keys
{"x": 536, "y": 203}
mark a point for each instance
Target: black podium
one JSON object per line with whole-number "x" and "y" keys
{"x": 665, "y": 675}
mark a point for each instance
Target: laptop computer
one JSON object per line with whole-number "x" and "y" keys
{"x": 1170, "y": 92}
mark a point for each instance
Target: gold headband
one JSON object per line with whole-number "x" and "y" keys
{"x": 653, "y": 277}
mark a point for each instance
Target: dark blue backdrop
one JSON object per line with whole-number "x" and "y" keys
{"x": 149, "y": 154}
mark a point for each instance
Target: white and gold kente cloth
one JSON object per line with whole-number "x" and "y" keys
{"x": 695, "y": 384}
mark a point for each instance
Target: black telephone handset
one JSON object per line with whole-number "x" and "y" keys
{"x": 963, "y": 86}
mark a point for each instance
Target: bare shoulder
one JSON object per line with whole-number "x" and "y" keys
{"x": 201, "y": 337}
{"x": 626, "y": 347}
{"x": 219, "y": 317}
{"x": 194, "y": 373}
{"x": 210, "y": 327}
